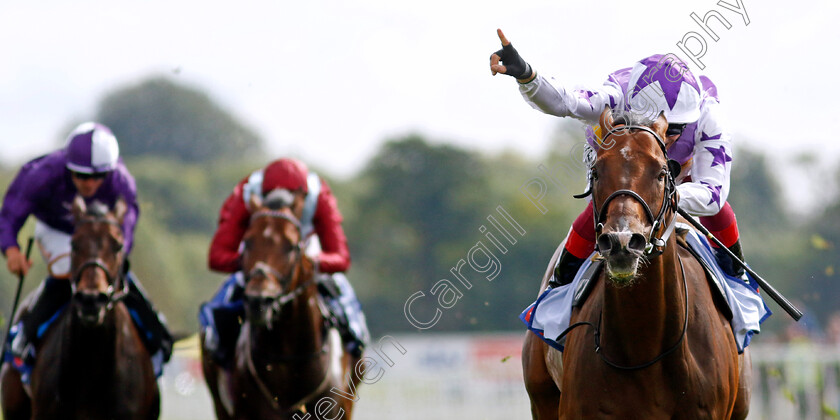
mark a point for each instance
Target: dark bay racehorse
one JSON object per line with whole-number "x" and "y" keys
{"x": 91, "y": 363}
{"x": 287, "y": 357}
{"x": 652, "y": 344}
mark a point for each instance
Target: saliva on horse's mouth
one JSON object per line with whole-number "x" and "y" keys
{"x": 623, "y": 267}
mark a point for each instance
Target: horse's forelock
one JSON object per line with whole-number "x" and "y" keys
{"x": 279, "y": 199}
{"x": 622, "y": 117}
{"x": 97, "y": 209}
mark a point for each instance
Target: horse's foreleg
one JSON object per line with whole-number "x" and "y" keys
{"x": 211, "y": 376}
{"x": 543, "y": 392}
{"x": 16, "y": 404}
{"x": 351, "y": 374}
{"x": 742, "y": 400}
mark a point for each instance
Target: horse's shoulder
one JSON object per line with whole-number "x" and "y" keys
{"x": 705, "y": 284}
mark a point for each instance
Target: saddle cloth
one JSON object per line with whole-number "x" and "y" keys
{"x": 550, "y": 314}
{"x": 25, "y": 367}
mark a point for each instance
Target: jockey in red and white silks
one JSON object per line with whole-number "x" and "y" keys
{"x": 321, "y": 218}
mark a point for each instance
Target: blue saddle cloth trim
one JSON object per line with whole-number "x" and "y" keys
{"x": 551, "y": 313}
{"x": 25, "y": 369}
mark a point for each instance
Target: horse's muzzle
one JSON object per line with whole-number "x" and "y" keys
{"x": 622, "y": 252}
{"x": 91, "y": 307}
{"x": 617, "y": 242}
{"x": 261, "y": 309}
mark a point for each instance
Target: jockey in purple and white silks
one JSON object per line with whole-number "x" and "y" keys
{"x": 90, "y": 166}
{"x": 696, "y": 137}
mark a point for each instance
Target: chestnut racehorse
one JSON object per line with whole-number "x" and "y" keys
{"x": 650, "y": 342}
{"x": 91, "y": 363}
{"x": 289, "y": 363}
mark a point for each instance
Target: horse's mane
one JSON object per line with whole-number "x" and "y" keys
{"x": 625, "y": 117}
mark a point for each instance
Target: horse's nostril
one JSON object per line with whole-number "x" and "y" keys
{"x": 605, "y": 243}
{"x": 637, "y": 242}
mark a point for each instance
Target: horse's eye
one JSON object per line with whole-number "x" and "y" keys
{"x": 662, "y": 175}
{"x": 594, "y": 175}
{"x": 116, "y": 245}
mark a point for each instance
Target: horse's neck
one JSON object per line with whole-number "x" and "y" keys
{"x": 95, "y": 368}
{"x": 647, "y": 316}
{"x": 87, "y": 358}
{"x": 93, "y": 343}
{"x": 298, "y": 332}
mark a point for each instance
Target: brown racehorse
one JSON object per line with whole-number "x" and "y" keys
{"x": 91, "y": 363}
{"x": 289, "y": 363}
{"x": 652, "y": 344}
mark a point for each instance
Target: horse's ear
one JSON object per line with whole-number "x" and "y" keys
{"x": 79, "y": 207}
{"x": 254, "y": 202}
{"x": 660, "y": 125}
{"x": 606, "y": 119}
{"x": 120, "y": 208}
{"x": 307, "y": 267}
{"x": 298, "y": 204}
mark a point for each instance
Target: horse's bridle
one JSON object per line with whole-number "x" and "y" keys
{"x": 654, "y": 244}
{"x": 113, "y": 294}
{"x": 653, "y": 247}
{"x": 261, "y": 267}
{"x": 277, "y": 302}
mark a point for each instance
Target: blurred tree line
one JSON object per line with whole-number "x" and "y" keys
{"x": 415, "y": 210}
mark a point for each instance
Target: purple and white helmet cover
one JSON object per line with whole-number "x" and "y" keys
{"x": 663, "y": 84}
{"x": 92, "y": 147}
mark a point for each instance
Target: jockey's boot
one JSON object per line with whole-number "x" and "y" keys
{"x": 48, "y": 300}
{"x": 566, "y": 269}
{"x": 346, "y": 312}
{"x": 152, "y": 324}
{"x": 727, "y": 264}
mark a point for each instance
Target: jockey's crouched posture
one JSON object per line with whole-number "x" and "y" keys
{"x": 90, "y": 166}
{"x": 695, "y": 138}
{"x": 221, "y": 317}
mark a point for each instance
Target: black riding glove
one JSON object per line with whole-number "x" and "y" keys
{"x": 513, "y": 62}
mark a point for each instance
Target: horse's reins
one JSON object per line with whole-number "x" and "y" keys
{"x": 597, "y": 333}
{"x": 653, "y": 248}
{"x": 277, "y": 303}
{"x": 114, "y": 295}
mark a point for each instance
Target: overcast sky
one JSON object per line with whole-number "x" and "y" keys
{"x": 329, "y": 81}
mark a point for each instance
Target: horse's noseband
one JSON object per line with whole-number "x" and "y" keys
{"x": 112, "y": 296}
{"x": 654, "y": 243}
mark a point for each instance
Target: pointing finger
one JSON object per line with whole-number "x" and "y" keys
{"x": 502, "y": 38}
